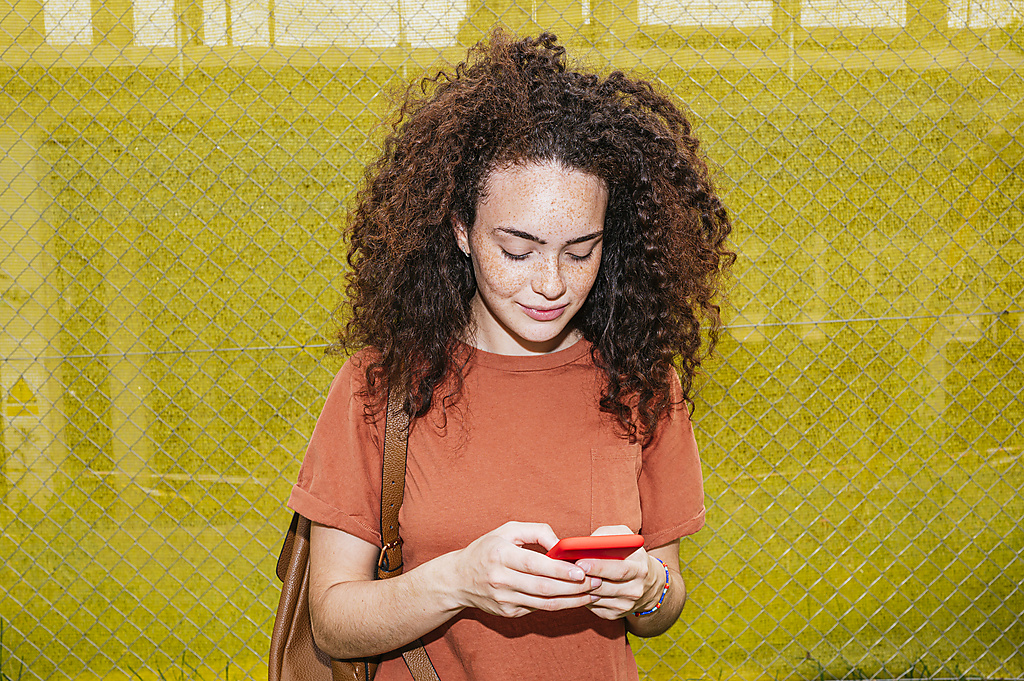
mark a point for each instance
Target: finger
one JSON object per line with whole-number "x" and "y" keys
{"x": 607, "y": 612}
{"x": 611, "y": 529}
{"x": 630, "y": 591}
{"x": 533, "y": 563}
{"x": 517, "y": 604}
{"x": 555, "y": 603}
{"x": 542, "y": 587}
{"x": 610, "y": 608}
{"x": 613, "y": 570}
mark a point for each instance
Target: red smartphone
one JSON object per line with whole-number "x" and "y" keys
{"x": 616, "y": 546}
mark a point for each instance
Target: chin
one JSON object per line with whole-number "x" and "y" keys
{"x": 548, "y": 335}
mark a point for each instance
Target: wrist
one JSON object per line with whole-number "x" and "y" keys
{"x": 444, "y": 576}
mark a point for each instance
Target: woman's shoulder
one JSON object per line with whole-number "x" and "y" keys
{"x": 348, "y": 397}
{"x": 349, "y": 387}
{"x": 353, "y": 371}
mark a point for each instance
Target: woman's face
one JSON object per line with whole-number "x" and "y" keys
{"x": 536, "y": 249}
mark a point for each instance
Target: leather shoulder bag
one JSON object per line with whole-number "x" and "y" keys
{"x": 294, "y": 655}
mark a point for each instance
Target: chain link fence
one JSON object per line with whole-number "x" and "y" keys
{"x": 172, "y": 176}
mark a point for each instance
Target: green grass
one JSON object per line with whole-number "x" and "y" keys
{"x": 863, "y": 479}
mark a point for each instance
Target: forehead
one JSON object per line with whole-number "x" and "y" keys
{"x": 544, "y": 199}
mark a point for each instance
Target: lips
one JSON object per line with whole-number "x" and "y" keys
{"x": 543, "y": 315}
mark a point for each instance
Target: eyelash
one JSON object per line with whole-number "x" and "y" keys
{"x": 516, "y": 257}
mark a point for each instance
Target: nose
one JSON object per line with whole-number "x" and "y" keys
{"x": 547, "y": 280}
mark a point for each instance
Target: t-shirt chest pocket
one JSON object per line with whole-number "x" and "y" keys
{"x": 614, "y": 494}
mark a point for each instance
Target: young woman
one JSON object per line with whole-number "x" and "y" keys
{"x": 535, "y": 259}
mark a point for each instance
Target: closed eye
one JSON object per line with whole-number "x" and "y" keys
{"x": 581, "y": 258}
{"x": 514, "y": 256}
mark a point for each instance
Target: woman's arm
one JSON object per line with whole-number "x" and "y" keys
{"x": 354, "y": 615}
{"x": 658, "y": 622}
{"x": 635, "y": 585}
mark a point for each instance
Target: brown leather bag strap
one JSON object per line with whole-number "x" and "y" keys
{"x": 419, "y": 664}
{"x": 392, "y": 489}
{"x": 392, "y": 493}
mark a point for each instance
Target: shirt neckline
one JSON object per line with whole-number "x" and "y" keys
{"x": 549, "y": 360}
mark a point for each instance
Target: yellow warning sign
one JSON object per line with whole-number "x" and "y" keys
{"x": 21, "y": 401}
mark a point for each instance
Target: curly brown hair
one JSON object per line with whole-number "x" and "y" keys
{"x": 515, "y": 102}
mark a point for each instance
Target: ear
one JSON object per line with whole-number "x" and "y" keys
{"x": 461, "y": 235}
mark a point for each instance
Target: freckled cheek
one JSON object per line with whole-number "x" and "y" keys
{"x": 497, "y": 275}
{"x": 580, "y": 278}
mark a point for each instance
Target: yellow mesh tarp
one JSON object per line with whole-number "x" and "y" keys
{"x": 173, "y": 176}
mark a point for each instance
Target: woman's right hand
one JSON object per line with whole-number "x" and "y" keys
{"x": 497, "y": 575}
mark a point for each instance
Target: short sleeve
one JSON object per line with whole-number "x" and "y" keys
{"x": 339, "y": 481}
{"x": 671, "y": 484}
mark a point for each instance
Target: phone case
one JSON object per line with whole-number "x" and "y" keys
{"x": 616, "y": 546}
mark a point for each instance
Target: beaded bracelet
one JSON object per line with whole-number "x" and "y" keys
{"x": 664, "y": 590}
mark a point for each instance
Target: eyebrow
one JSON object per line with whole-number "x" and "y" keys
{"x": 536, "y": 239}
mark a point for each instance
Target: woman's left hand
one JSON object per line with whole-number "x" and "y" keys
{"x": 627, "y": 585}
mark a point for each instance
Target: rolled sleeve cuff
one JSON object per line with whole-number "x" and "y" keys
{"x": 662, "y": 537}
{"x": 317, "y": 510}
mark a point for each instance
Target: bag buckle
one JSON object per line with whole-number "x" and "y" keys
{"x": 384, "y": 562}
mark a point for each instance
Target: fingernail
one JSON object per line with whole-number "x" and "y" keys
{"x": 593, "y": 597}
{"x": 595, "y": 582}
{"x": 586, "y": 567}
{"x": 576, "y": 574}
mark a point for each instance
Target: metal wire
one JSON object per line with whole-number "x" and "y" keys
{"x": 169, "y": 177}
{"x": 322, "y": 346}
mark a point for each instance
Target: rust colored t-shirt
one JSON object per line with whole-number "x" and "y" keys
{"x": 525, "y": 441}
